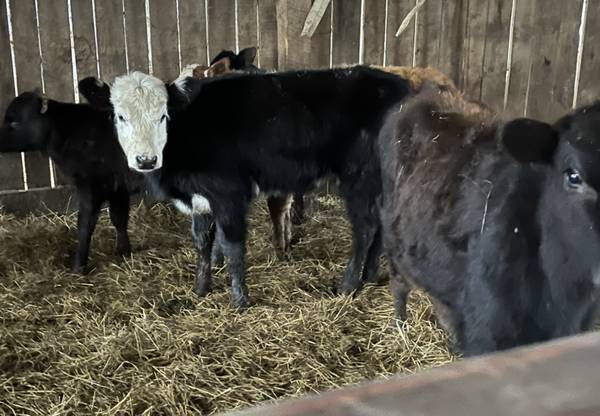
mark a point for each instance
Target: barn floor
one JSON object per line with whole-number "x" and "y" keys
{"x": 132, "y": 338}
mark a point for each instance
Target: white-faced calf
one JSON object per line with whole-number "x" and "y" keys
{"x": 286, "y": 131}
{"x": 498, "y": 222}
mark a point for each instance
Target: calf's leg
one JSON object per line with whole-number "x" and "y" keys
{"x": 119, "y": 216}
{"x": 87, "y": 217}
{"x": 298, "y": 209}
{"x": 370, "y": 272}
{"x": 279, "y": 209}
{"x": 217, "y": 257}
{"x": 363, "y": 215}
{"x": 203, "y": 233}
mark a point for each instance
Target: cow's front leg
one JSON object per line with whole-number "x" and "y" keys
{"x": 87, "y": 217}
{"x": 203, "y": 232}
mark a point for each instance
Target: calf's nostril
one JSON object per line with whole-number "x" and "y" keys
{"x": 146, "y": 163}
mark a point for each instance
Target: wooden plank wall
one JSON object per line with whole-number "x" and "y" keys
{"x": 520, "y": 56}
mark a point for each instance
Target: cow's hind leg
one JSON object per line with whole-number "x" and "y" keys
{"x": 363, "y": 215}
{"x": 279, "y": 209}
{"x": 217, "y": 257}
{"x": 203, "y": 232}
{"x": 119, "y": 216}
{"x": 298, "y": 209}
{"x": 371, "y": 269}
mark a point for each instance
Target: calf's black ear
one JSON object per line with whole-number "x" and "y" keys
{"x": 95, "y": 91}
{"x": 530, "y": 140}
{"x": 246, "y": 56}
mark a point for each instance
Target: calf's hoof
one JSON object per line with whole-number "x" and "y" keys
{"x": 239, "y": 300}
{"x": 124, "y": 251}
{"x": 217, "y": 259}
{"x": 78, "y": 267}
{"x": 349, "y": 288}
{"x": 202, "y": 288}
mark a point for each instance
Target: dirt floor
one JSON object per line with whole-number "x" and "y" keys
{"x": 132, "y": 338}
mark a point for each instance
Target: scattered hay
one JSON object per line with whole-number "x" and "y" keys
{"x": 132, "y": 338}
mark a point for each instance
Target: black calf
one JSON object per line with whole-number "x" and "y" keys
{"x": 499, "y": 223}
{"x": 81, "y": 141}
{"x": 288, "y": 130}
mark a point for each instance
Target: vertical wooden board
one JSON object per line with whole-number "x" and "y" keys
{"x": 192, "y": 24}
{"x": 83, "y": 38}
{"x": 451, "y": 38}
{"x": 221, "y": 26}
{"x": 346, "y": 31}
{"x": 399, "y": 49}
{"x": 523, "y": 37}
{"x": 56, "y": 50}
{"x": 429, "y": 22}
{"x": 165, "y": 59}
{"x": 496, "y": 53}
{"x": 589, "y": 85}
{"x": 474, "y": 48}
{"x": 553, "y": 64}
{"x": 56, "y": 56}
{"x": 320, "y": 42}
{"x": 137, "y": 39}
{"x": 267, "y": 28}
{"x": 11, "y": 176}
{"x": 374, "y": 32}
{"x": 247, "y": 29}
{"x": 111, "y": 41}
{"x": 27, "y": 59}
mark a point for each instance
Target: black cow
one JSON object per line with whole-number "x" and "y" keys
{"x": 498, "y": 222}
{"x": 285, "y": 131}
{"x": 81, "y": 140}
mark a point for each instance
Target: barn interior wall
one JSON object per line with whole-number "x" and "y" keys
{"x": 537, "y": 58}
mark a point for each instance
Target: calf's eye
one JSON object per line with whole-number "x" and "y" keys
{"x": 121, "y": 118}
{"x": 573, "y": 177}
{"x": 163, "y": 118}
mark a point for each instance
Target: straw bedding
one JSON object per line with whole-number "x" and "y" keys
{"x": 130, "y": 337}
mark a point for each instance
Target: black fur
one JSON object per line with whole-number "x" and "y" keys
{"x": 82, "y": 142}
{"x": 482, "y": 216}
{"x": 286, "y": 131}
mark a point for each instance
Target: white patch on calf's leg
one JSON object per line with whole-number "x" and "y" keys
{"x": 182, "y": 207}
{"x": 200, "y": 205}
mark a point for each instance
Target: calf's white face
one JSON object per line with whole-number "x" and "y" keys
{"x": 140, "y": 107}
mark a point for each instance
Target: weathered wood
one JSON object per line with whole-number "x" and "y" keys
{"x": 474, "y": 47}
{"x": 554, "y": 58}
{"x": 429, "y": 22}
{"x": 589, "y": 87}
{"x": 111, "y": 40}
{"x": 247, "y": 28}
{"x": 557, "y": 378}
{"x": 297, "y": 51}
{"x": 267, "y": 22}
{"x": 137, "y": 37}
{"x": 56, "y": 57}
{"x": 165, "y": 58}
{"x": 192, "y": 24}
{"x": 27, "y": 59}
{"x": 374, "y": 32}
{"x": 83, "y": 37}
{"x": 39, "y": 201}
{"x": 520, "y": 69}
{"x": 496, "y": 53}
{"x": 399, "y": 49}
{"x": 346, "y": 31}
{"x": 315, "y": 16}
{"x": 10, "y": 164}
{"x": 320, "y": 43}
{"x": 221, "y": 26}
{"x": 451, "y": 38}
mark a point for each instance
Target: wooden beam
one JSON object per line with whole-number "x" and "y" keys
{"x": 314, "y": 17}
{"x": 556, "y": 378}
